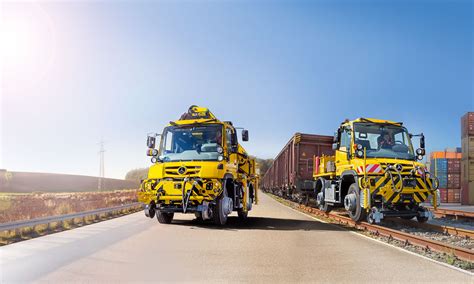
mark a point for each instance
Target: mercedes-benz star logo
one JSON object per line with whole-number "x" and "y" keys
{"x": 399, "y": 167}
{"x": 181, "y": 170}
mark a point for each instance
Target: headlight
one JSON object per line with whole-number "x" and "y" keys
{"x": 220, "y": 158}
{"x": 359, "y": 147}
{"x": 220, "y": 150}
{"x": 420, "y": 157}
{"x": 420, "y": 151}
{"x": 151, "y": 152}
{"x": 360, "y": 153}
{"x": 154, "y": 160}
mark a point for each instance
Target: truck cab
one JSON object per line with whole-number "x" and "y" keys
{"x": 199, "y": 167}
{"x": 375, "y": 172}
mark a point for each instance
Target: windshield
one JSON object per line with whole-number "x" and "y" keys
{"x": 384, "y": 140}
{"x": 186, "y": 143}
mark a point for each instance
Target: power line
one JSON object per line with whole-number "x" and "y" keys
{"x": 101, "y": 166}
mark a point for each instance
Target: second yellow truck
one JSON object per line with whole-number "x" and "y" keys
{"x": 375, "y": 172}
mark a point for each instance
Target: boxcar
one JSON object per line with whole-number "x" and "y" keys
{"x": 291, "y": 173}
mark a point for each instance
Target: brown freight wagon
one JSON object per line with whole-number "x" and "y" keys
{"x": 291, "y": 173}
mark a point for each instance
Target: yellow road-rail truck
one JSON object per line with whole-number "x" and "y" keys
{"x": 199, "y": 167}
{"x": 375, "y": 173}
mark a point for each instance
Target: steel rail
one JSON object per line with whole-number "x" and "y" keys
{"x": 406, "y": 238}
{"x": 437, "y": 228}
{"x": 457, "y": 214}
{"x": 45, "y": 220}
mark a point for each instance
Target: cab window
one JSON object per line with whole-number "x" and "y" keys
{"x": 228, "y": 138}
{"x": 345, "y": 140}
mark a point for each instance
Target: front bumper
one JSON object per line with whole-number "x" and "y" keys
{"x": 174, "y": 191}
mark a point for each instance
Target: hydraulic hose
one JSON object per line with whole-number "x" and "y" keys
{"x": 394, "y": 186}
{"x": 435, "y": 178}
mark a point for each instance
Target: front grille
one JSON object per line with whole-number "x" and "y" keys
{"x": 406, "y": 168}
{"x": 189, "y": 170}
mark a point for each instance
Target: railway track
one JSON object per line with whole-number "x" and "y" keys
{"x": 453, "y": 231}
{"x": 393, "y": 234}
{"x": 453, "y": 214}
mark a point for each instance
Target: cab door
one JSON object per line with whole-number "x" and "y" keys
{"x": 231, "y": 148}
{"x": 344, "y": 151}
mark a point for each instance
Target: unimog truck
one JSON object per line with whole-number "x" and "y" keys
{"x": 375, "y": 173}
{"x": 200, "y": 168}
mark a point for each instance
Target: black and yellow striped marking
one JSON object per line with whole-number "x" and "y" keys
{"x": 384, "y": 187}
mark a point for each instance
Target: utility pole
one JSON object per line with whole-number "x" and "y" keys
{"x": 101, "y": 166}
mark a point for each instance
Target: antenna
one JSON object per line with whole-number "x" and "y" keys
{"x": 101, "y": 166}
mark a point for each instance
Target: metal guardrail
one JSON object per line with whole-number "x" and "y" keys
{"x": 46, "y": 220}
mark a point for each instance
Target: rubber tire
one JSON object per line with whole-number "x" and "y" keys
{"x": 243, "y": 215}
{"x": 421, "y": 219}
{"x": 218, "y": 216}
{"x": 164, "y": 218}
{"x": 198, "y": 216}
{"x": 359, "y": 214}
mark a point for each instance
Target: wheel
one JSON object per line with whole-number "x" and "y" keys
{"x": 219, "y": 214}
{"x": 164, "y": 218}
{"x": 198, "y": 216}
{"x": 323, "y": 206}
{"x": 243, "y": 215}
{"x": 407, "y": 217}
{"x": 370, "y": 219}
{"x": 352, "y": 204}
{"x": 306, "y": 199}
{"x": 421, "y": 219}
{"x": 326, "y": 208}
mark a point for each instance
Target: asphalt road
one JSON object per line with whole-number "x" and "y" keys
{"x": 277, "y": 244}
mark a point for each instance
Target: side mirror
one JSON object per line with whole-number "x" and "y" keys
{"x": 245, "y": 135}
{"x": 150, "y": 141}
{"x": 422, "y": 141}
{"x": 335, "y": 146}
{"x": 336, "y": 136}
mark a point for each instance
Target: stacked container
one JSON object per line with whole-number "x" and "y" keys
{"x": 467, "y": 162}
{"x": 446, "y": 165}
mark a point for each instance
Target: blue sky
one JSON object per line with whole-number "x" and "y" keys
{"x": 75, "y": 72}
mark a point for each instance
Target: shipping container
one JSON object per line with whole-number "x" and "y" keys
{"x": 443, "y": 192}
{"x": 467, "y": 193}
{"x": 439, "y": 165}
{"x": 467, "y": 170}
{"x": 467, "y": 147}
{"x": 454, "y": 181}
{"x": 451, "y": 155}
{"x": 437, "y": 155}
{"x": 453, "y": 195}
{"x": 467, "y": 125}
{"x": 454, "y": 166}
{"x": 292, "y": 170}
{"x": 443, "y": 179}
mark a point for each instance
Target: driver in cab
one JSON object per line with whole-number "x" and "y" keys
{"x": 385, "y": 141}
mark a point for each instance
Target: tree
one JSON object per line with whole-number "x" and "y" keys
{"x": 137, "y": 174}
{"x": 263, "y": 165}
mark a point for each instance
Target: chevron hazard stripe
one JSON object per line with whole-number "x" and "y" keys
{"x": 371, "y": 169}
